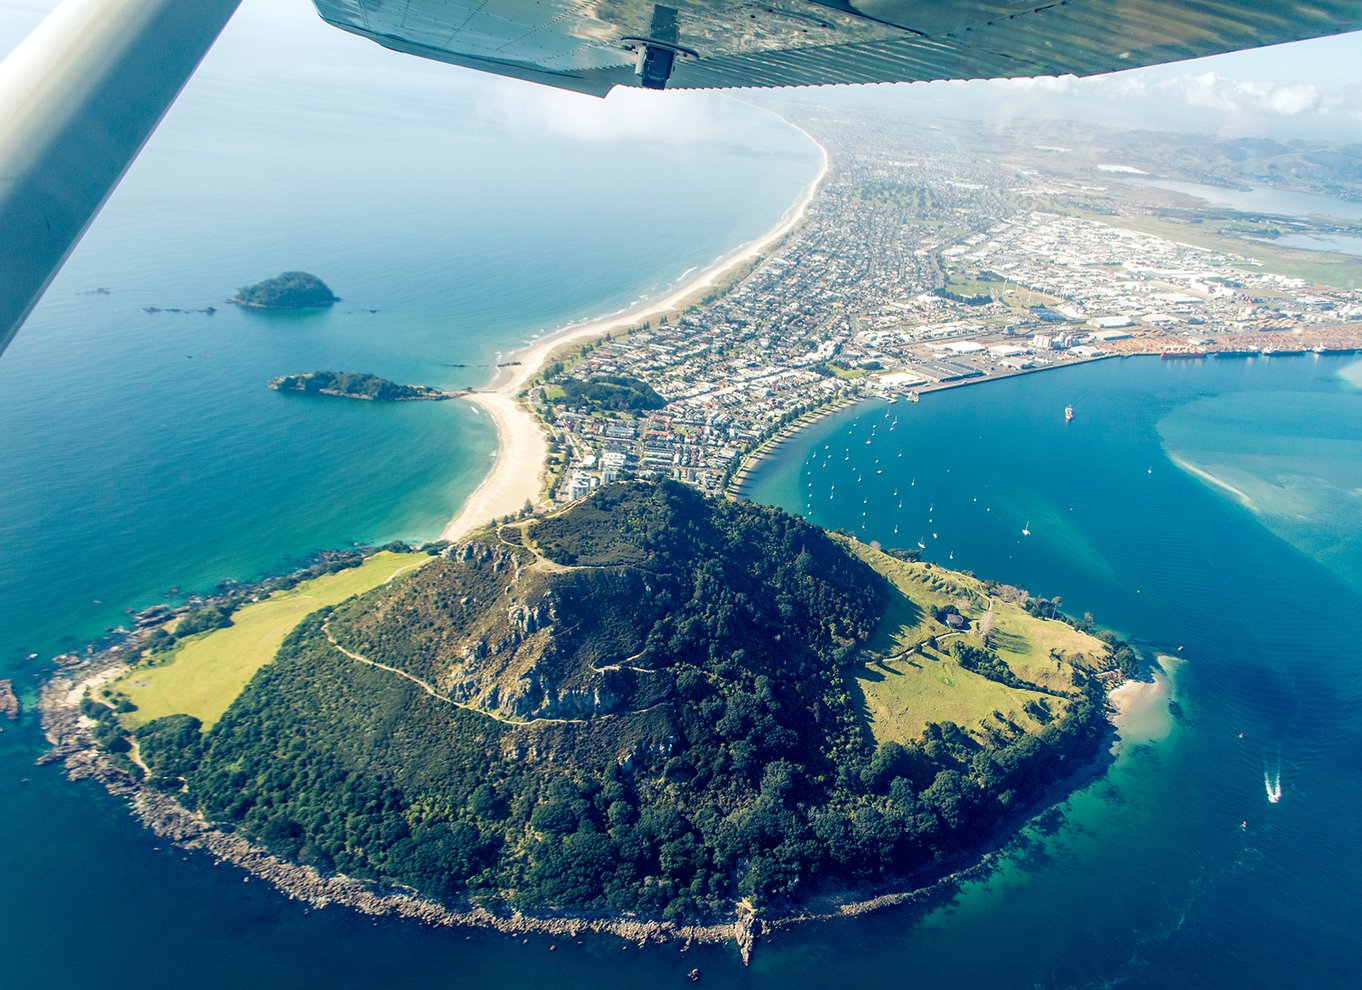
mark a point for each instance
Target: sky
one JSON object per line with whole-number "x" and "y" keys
{"x": 1307, "y": 89}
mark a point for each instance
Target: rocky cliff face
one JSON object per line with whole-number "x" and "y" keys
{"x": 503, "y": 629}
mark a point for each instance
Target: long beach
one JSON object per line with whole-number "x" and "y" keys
{"x": 517, "y": 474}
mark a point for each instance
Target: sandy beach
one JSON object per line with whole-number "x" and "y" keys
{"x": 1141, "y": 711}
{"x": 517, "y": 476}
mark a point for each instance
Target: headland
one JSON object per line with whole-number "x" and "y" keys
{"x": 521, "y": 728}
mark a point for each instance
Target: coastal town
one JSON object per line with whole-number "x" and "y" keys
{"x": 916, "y": 267}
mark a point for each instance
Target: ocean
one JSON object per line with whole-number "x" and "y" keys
{"x": 458, "y": 217}
{"x": 143, "y": 451}
{"x": 1173, "y": 869}
{"x": 1207, "y": 510}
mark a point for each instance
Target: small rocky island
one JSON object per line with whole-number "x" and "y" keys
{"x": 356, "y": 385}
{"x": 289, "y": 291}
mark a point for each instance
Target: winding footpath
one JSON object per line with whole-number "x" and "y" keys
{"x": 358, "y": 658}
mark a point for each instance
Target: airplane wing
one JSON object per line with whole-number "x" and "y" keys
{"x": 593, "y": 45}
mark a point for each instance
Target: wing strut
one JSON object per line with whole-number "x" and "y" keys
{"x": 78, "y": 100}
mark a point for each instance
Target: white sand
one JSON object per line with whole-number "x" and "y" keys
{"x": 517, "y": 476}
{"x": 1142, "y": 709}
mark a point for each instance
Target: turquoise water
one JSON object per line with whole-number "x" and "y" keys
{"x": 142, "y": 452}
{"x": 1294, "y": 460}
{"x": 146, "y": 446}
{"x": 1175, "y": 869}
{"x": 1144, "y": 879}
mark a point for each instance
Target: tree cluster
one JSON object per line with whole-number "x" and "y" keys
{"x": 610, "y": 393}
{"x": 290, "y": 290}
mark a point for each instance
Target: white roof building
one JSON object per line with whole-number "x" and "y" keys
{"x": 961, "y": 346}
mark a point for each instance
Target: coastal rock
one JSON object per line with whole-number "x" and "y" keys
{"x": 9, "y": 701}
{"x": 745, "y": 931}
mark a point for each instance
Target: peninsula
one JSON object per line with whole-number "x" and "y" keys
{"x": 289, "y": 291}
{"x": 654, "y": 706}
{"x": 356, "y": 385}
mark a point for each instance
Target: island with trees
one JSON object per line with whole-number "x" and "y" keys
{"x": 288, "y": 291}
{"x": 356, "y": 385}
{"x": 652, "y": 707}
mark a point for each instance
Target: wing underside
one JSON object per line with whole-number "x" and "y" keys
{"x": 593, "y": 46}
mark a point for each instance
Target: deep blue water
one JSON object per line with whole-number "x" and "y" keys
{"x": 1175, "y": 869}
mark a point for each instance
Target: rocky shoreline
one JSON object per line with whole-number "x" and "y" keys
{"x": 73, "y": 745}
{"x": 71, "y": 734}
{"x": 356, "y": 385}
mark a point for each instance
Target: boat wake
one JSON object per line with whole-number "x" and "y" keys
{"x": 1272, "y": 783}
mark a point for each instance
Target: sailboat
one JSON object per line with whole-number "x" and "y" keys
{"x": 1068, "y": 414}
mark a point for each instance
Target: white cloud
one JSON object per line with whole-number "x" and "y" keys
{"x": 674, "y": 117}
{"x": 1212, "y": 91}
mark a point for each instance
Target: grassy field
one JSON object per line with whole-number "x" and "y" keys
{"x": 904, "y": 684}
{"x": 899, "y": 697}
{"x": 203, "y": 675}
{"x": 1008, "y": 293}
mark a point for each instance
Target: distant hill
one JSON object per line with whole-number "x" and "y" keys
{"x": 289, "y": 291}
{"x": 651, "y": 702}
{"x": 356, "y": 385}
